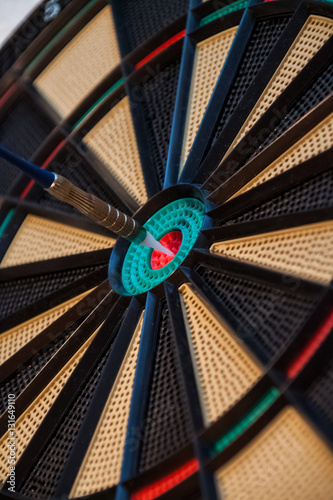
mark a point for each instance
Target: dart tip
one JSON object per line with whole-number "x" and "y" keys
{"x": 150, "y": 242}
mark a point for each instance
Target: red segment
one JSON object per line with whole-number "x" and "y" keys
{"x": 159, "y": 49}
{"x": 156, "y": 489}
{"x": 311, "y": 347}
{"x": 44, "y": 165}
{"x": 7, "y": 94}
{"x": 172, "y": 241}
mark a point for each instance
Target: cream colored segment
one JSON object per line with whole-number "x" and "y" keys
{"x": 287, "y": 460}
{"x": 101, "y": 466}
{"x": 113, "y": 141}
{"x": 223, "y": 370}
{"x": 28, "y": 423}
{"x": 83, "y": 63}
{"x": 14, "y": 339}
{"x": 315, "y": 32}
{"x": 305, "y": 251}
{"x": 318, "y": 140}
{"x": 40, "y": 239}
{"x": 208, "y": 62}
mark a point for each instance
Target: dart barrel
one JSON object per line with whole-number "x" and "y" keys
{"x": 97, "y": 209}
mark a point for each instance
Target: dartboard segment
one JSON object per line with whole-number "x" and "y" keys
{"x": 298, "y": 38}
{"x": 256, "y": 37}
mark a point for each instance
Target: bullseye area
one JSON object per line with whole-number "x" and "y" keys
{"x": 177, "y": 226}
{"x": 172, "y": 241}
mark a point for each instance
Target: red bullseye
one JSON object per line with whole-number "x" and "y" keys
{"x": 172, "y": 241}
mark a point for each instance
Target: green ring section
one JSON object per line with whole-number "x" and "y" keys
{"x": 185, "y": 215}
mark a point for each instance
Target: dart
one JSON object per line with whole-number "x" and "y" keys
{"x": 88, "y": 204}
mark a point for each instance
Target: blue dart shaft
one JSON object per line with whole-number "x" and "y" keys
{"x": 95, "y": 208}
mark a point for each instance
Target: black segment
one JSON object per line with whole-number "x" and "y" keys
{"x": 18, "y": 293}
{"x": 19, "y": 381}
{"x": 321, "y": 88}
{"x": 270, "y": 315}
{"x": 144, "y": 19}
{"x": 71, "y": 165}
{"x": 264, "y": 37}
{"x": 313, "y": 194}
{"x": 158, "y": 102}
{"x": 44, "y": 477}
{"x": 167, "y": 426}
{"x": 22, "y": 131}
{"x": 320, "y": 393}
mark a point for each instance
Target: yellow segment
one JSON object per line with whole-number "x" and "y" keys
{"x": 305, "y": 251}
{"x": 113, "y": 141}
{"x": 28, "y": 423}
{"x": 208, "y": 62}
{"x": 318, "y": 140}
{"x": 315, "y": 32}
{"x": 40, "y": 239}
{"x": 286, "y": 461}
{"x": 14, "y": 339}
{"x": 83, "y": 63}
{"x": 101, "y": 466}
{"x": 224, "y": 371}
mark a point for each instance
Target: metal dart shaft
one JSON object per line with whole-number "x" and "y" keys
{"x": 91, "y": 206}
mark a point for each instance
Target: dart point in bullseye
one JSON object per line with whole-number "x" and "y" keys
{"x": 91, "y": 206}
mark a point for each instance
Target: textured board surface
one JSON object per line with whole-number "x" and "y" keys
{"x": 208, "y": 62}
{"x": 223, "y": 370}
{"x": 81, "y": 65}
{"x": 305, "y": 251}
{"x": 269, "y": 315}
{"x": 278, "y": 461}
{"x": 22, "y": 132}
{"x": 41, "y": 239}
{"x": 113, "y": 141}
{"x": 101, "y": 466}
{"x": 316, "y": 31}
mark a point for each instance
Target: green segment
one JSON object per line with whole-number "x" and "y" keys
{"x": 243, "y": 424}
{"x": 185, "y": 215}
{"x": 60, "y": 34}
{"x": 240, "y": 4}
{"x": 6, "y": 221}
{"x": 106, "y": 94}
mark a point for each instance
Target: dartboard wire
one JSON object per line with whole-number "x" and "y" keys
{"x": 90, "y": 324}
{"x": 238, "y": 422}
{"x": 53, "y": 298}
{"x": 288, "y": 45}
{"x": 275, "y": 188}
{"x": 100, "y": 397}
{"x": 267, "y": 225}
{"x": 280, "y": 148}
{"x": 63, "y": 140}
{"x": 68, "y": 262}
{"x": 141, "y": 391}
{"x": 139, "y": 84}
{"x": 187, "y": 370}
{"x": 290, "y": 394}
{"x": 267, "y": 384}
{"x": 231, "y": 77}
{"x": 275, "y": 282}
{"x": 179, "y": 115}
{"x": 72, "y": 220}
{"x": 105, "y": 338}
{"x": 196, "y": 32}
{"x": 68, "y": 320}
{"x": 280, "y": 112}
{"x": 56, "y": 228}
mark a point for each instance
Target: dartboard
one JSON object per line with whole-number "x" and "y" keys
{"x": 128, "y": 374}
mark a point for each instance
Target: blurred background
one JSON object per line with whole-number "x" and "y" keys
{"x": 12, "y": 13}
